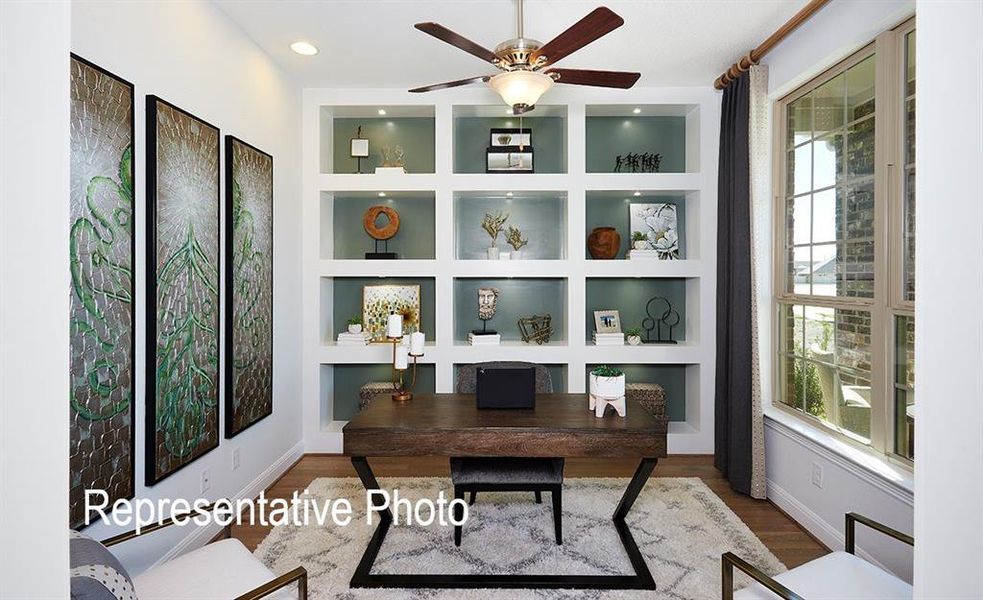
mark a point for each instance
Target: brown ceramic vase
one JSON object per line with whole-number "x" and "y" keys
{"x": 603, "y": 242}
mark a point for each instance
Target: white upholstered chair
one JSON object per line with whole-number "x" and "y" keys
{"x": 836, "y": 576}
{"x": 221, "y": 570}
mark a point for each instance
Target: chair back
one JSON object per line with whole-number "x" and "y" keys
{"x": 467, "y": 375}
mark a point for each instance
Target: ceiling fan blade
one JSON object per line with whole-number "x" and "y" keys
{"x": 457, "y": 40}
{"x": 450, "y": 84}
{"x": 600, "y": 22}
{"x": 610, "y": 79}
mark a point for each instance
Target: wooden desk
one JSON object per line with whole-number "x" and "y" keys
{"x": 451, "y": 425}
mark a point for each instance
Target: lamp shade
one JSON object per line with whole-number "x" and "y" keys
{"x": 521, "y": 87}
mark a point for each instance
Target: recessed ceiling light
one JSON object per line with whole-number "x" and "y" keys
{"x": 637, "y": 194}
{"x": 509, "y": 194}
{"x": 509, "y": 112}
{"x": 304, "y": 48}
{"x": 382, "y": 194}
{"x": 382, "y": 111}
{"x": 637, "y": 111}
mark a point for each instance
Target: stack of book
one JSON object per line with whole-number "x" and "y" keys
{"x": 646, "y": 254}
{"x": 609, "y": 339}
{"x": 353, "y": 339}
{"x": 487, "y": 339}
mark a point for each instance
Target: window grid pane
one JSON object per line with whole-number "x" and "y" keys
{"x": 904, "y": 386}
{"x": 908, "y": 194}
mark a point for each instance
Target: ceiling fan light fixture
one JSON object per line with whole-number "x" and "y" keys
{"x": 522, "y": 88}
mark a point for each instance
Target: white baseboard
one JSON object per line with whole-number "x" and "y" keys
{"x": 813, "y": 523}
{"x": 202, "y": 535}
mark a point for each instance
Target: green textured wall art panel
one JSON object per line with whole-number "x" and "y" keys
{"x": 248, "y": 286}
{"x": 182, "y": 288}
{"x": 101, "y": 304}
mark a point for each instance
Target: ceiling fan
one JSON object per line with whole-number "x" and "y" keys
{"x": 527, "y": 64}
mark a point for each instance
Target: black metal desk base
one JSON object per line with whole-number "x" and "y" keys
{"x": 641, "y": 580}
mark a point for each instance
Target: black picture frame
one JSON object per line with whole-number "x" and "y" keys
{"x": 231, "y": 430}
{"x": 498, "y": 153}
{"x": 151, "y": 475}
{"x": 131, "y": 472}
{"x": 512, "y": 131}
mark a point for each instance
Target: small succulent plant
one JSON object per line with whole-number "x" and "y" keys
{"x": 638, "y": 236}
{"x": 355, "y": 320}
{"x": 606, "y": 371}
{"x": 633, "y": 332}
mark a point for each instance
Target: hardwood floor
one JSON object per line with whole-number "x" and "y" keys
{"x": 783, "y": 536}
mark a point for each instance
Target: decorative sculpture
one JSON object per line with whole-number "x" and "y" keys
{"x": 487, "y": 303}
{"x": 604, "y": 242}
{"x": 536, "y": 329}
{"x": 647, "y": 162}
{"x": 660, "y": 313}
{"x": 381, "y": 232}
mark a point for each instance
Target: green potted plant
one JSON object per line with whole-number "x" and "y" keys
{"x": 355, "y": 324}
{"x": 607, "y": 386}
{"x": 493, "y": 225}
{"x": 639, "y": 241}
{"x": 514, "y": 237}
{"x": 633, "y": 335}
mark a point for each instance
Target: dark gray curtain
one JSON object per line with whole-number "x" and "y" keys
{"x": 732, "y": 413}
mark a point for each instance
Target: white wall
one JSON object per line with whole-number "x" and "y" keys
{"x": 33, "y": 299}
{"x": 190, "y": 54}
{"x": 852, "y": 481}
{"x": 948, "y": 263}
{"x": 836, "y": 31}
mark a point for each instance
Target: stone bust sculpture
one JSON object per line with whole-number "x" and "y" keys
{"x": 487, "y": 302}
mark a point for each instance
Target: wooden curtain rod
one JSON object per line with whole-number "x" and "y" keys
{"x": 758, "y": 53}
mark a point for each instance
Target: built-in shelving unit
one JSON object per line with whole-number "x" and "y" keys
{"x": 442, "y": 247}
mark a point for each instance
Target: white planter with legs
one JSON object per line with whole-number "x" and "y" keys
{"x": 607, "y": 390}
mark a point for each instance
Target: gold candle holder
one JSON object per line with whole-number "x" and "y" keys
{"x": 401, "y": 391}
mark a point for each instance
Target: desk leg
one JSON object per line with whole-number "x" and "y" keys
{"x": 641, "y": 580}
{"x": 361, "y": 576}
{"x": 642, "y": 473}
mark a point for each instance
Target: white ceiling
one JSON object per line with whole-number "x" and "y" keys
{"x": 372, "y": 43}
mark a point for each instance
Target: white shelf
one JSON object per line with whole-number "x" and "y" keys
{"x": 700, "y": 106}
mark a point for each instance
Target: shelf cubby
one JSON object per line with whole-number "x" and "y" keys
{"x": 411, "y": 127}
{"x": 671, "y": 130}
{"x": 341, "y": 297}
{"x": 343, "y": 236}
{"x": 629, "y": 296}
{"x": 541, "y": 216}
{"x": 610, "y": 208}
{"x": 518, "y": 297}
{"x": 672, "y": 378}
{"x": 340, "y": 384}
{"x": 472, "y": 136}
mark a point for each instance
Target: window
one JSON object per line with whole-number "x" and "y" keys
{"x": 845, "y": 288}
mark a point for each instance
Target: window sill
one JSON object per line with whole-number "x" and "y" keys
{"x": 865, "y": 463}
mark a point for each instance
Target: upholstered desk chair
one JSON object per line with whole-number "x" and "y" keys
{"x": 832, "y": 577}
{"x": 222, "y": 570}
{"x": 508, "y": 474}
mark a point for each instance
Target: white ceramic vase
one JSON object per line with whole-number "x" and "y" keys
{"x": 355, "y": 328}
{"x": 516, "y": 254}
{"x": 640, "y": 245}
{"x": 634, "y": 340}
{"x": 493, "y": 253}
{"x": 607, "y": 387}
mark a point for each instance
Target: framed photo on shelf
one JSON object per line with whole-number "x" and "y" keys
{"x": 504, "y": 137}
{"x": 511, "y": 160}
{"x": 379, "y": 301}
{"x": 607, "y": 321}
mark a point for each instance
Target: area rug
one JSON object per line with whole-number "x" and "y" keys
{"x": 680, "y": 525}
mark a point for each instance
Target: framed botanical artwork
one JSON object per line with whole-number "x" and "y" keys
{"x": 511, "y": 137}
{"x": 183, "y": 306}
{"x": 607, "y": 321}
{"x": 379, "y": 301}
{"x": 101, "y": 307}
{"x": 657, "y": 223}
{"x": 248, "y": 285}
{"x": 509, "y": 161}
